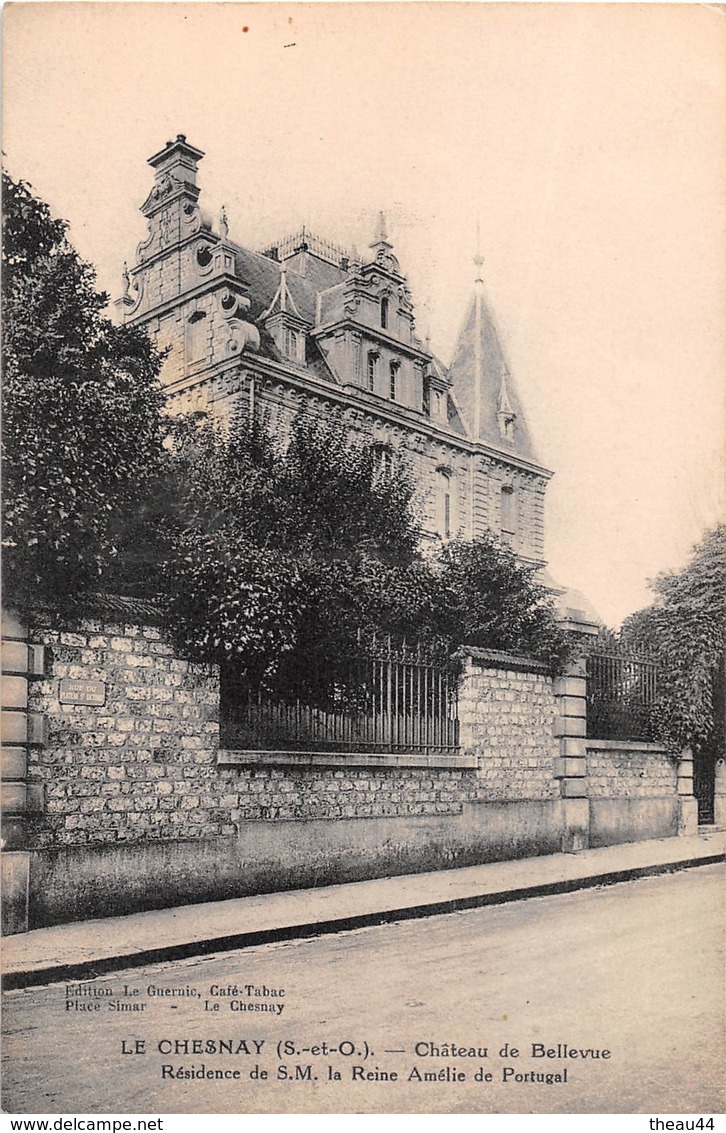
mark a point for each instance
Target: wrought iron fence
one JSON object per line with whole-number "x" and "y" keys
{"x": 399, "y": 697}
{"x": 622, "y": 690}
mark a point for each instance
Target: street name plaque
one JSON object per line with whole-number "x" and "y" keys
{"x": 82, "y": 692}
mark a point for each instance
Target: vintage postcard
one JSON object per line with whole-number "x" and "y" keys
{"x": 351, "y": 765}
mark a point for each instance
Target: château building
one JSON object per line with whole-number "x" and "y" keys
{"x": 306, "y": 323}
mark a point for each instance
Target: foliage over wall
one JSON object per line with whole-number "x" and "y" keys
{"x": 286, "y": 554}
{"x": 684, "y": 628}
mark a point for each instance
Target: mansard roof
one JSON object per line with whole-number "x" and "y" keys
{"x": 306, "y": 277}
{"x": 479, "y": 358}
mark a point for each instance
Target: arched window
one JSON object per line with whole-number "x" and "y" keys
{"x": 393, "y": 377}
{"x": 384, "y": 312}
{"x": 372, "y": 370}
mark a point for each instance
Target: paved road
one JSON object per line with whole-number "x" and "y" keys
{"x": 636, "y": 969}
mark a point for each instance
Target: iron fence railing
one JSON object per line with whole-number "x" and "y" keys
{"x": 398, "y": 698}
{"x": 304, "y": 241}
{"x": 622, "y": 690}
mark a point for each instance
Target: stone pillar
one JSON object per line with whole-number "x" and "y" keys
{"x": 571, "y": 766}
{"x": 687, "y": 804}
{"x": 571, "y": 727}
{"x": 719, "y": 799}
{"x": 20, "y": 730}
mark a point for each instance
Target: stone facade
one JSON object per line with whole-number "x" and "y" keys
{"x": 308, "y": 325}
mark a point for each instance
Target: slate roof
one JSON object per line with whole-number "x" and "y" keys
{"x": 462, "y": 373}
{"x": 262, "y": 276}
{"x": 308, "y": 275}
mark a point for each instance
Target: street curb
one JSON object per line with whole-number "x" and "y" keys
{"x": 84, "y": 969}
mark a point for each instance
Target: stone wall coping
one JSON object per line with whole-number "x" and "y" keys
{"x": 141, "y": 612}
{"x": 382, "y": 760}
{"x": 498, "y": 659}
{"x": 627, "y": 745}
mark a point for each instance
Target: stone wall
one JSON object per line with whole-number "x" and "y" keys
{"x": 508, "y": 708}
{"x": 144, "y": 764}
{"x": 618, "y": 769}
{"x": 125, "y": 801}
{"x": 139, "y": 765}
{"x": 637, "y": 790}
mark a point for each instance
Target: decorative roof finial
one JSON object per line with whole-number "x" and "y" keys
{"x": 282, "y": 301}
{"x": 478, "y": 258}
{"x": 505, "y": 411}
{"x": 126, "y": 281}
{"x": 223, "y": 222}
{"x": 283, "y": 286}
{"x": 381, "y": 243}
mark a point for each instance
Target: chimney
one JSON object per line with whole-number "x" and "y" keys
{"x": 178, "y": 160}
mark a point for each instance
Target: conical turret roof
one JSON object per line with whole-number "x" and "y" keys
{"x": 483, "y": 385}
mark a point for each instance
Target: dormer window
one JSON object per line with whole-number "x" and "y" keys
{"x": 393, "y": 379}
{"x": 384, "y": 312}
{"x": 294, "y": 343}
{"x": 372, "y": 370}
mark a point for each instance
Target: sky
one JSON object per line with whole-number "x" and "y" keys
{"x": 586, "y": 143}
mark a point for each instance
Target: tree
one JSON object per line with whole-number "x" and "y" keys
{"x": 286, "y": 555}
{"x": 492, "y": 600}
{"x": 81, "y": 412}
{"x": 275, "y": 544}
{"x": 684, "y": 628}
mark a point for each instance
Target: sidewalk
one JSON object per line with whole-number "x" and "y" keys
{"x": 90, "y": 948}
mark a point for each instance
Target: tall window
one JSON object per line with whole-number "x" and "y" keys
{"x": 426, "y": 395}
{"x": 508, "y": 511}
{"x": 384, "y": 312}
{"x": 384, "y": 463}
{"x": 372, "y": 370}
{"x": 294, "y": 343}
{"x": 393, "y": 377}
{"x": 197, "y": 338}
{"x": 445, "y": 504}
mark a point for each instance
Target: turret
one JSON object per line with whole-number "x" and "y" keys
{"x": 483, "y": 386}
